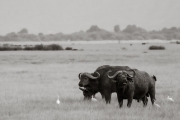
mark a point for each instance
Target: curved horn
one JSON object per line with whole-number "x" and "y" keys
{"x": 129, "y": 74}
{"x": 134, "y": 73}
{"x": 92, "y": 77}
{"x": 79, "y": 76}
{"x": 111, "y": 77}
{"x": 89, "y": 75}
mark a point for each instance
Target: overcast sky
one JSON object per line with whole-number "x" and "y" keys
{"x": 68, "y": 16}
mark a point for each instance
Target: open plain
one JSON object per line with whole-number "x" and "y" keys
{"x": 31, "y": 80}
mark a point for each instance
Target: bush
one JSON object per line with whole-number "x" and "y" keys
{"x": 17, "y": 48}
{"x": 6, "y": 48}
{"x": 36, "y": 47}
{"x": 48, "y": 47}
{"x": 68, "y": 48}
{"x": 53, "y": 47}
{"x": 28, "y": 48}
{"x": 39, "y": 47}
{"x": 177, "y": 42}
{"x": 156, "y": 47}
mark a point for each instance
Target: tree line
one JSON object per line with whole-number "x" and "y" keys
{"x": 131, "y": 32}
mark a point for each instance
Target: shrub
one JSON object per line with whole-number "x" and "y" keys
{"x": 28, "y": 48}
{"x": 54, "y": 47}
{"x": 36, "y": 47}
{"x": 153, "y": 47}
{"x": 68, "y": 48}
{"x": 7, "y": 48}
{"x": 17, "y": 48}
{"x": 177, "y": 42}
{"x": 48, "y": 47}
{"x": 39, "y": 47}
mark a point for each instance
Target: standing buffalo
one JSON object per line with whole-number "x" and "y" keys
{"x": 92, "y": 83}
{"x": 133, "y": 84}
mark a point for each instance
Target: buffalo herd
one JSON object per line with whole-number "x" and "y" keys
{"x": 128, "y": 83}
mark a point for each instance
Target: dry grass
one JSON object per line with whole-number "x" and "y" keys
{"x": 30, "y": 82}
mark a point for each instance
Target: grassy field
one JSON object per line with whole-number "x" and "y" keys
{"x": 31, "y": 80}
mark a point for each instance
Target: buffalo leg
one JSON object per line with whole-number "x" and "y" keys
{"x": 145, "y": 101}
{"x": 129, "y": 99}
{"x": 107, "y": 95}
{"x": 152, "y": 95}
{"x": 86, "y": 98}
{"x": 120, "y": 100}
{"x": 102, "y": 95}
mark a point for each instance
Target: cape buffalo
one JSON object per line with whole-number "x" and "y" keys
{"x": 133, "y": 84}
{"x": 92, "y": 83}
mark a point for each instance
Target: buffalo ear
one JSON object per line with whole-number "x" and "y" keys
{"x": 154, "y": 77}
{"x": 129, "y": 78}
{"x": 130, "y": 75}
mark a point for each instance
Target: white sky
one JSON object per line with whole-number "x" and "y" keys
{"x": 67, "y": 16}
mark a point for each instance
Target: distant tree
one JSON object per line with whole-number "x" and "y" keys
{"x": 81, "y": 32}
{"x": 95, "y": 36}
{"x": 130, "y": 29}
{"x": 40, "y": 34}
{"x": 1, "y": 38}
{"x": 138, "y": 38}
{"x": 158, "y": 36}
{"x": 116, "y": 28}
{"x": 178, "y": 36}
{"x": 174, "y": 28}
{"x": 139, "y": 29}
{"x": 93, "y": 28}
{"x": 178, "y": 29}
{"x": 11, "y": 37}
{"x": 133, "y": 28}
{"x": 164, "y": 30}
{"x": 131, "y": 32}
{"x": 23, "y": 31}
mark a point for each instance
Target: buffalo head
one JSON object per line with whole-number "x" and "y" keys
{"x": 87, "y": 81}
{"x": 122, "y": 77}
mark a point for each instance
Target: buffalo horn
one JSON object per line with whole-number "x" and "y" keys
{"x": 113, "y": 76}
{"x": 92, "y": 77}
{"x": 80, "y": 76}
{"x": 83, "y": 88}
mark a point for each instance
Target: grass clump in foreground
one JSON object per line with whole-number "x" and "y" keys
{"x": 153, "y": 47}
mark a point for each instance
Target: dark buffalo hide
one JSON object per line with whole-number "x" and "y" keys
{"x": 133, "y": 84}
